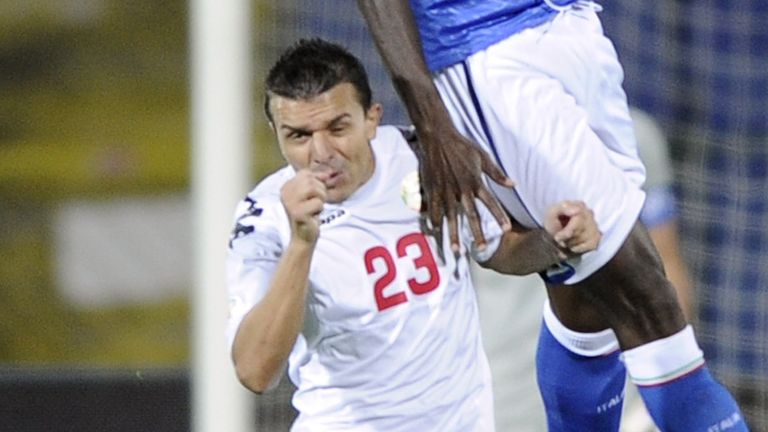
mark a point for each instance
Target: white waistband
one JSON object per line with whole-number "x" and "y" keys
{"x": 584, "y": 344}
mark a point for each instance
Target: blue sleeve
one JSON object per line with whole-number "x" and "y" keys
{"x": 660, "y": 206}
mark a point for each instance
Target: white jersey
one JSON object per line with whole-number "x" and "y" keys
{"x": 548, "y": 106}
{"x": 391, "y": 340}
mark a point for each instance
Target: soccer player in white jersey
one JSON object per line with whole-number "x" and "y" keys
{"x": 330, "y": 273}
{"x": 535, "y": 86}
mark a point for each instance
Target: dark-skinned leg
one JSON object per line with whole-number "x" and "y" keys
{"x": 632, "y": 296}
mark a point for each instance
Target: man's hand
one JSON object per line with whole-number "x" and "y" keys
{"x": 303, "y": 197}
{"x": 450, "y": 169}
{"x": 450, "y": 166}
{"x": 268, "y": 332}
{"x": 572, "y": 224}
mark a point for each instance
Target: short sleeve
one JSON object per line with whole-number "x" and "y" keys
{"x": 255, "y": 248}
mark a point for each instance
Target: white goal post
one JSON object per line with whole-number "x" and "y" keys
{"x": 220, "y": 126}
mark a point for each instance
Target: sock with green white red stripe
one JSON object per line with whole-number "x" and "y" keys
{"x": 677, "y": 388}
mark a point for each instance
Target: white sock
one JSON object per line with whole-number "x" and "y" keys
{"x": 664, "y": 360}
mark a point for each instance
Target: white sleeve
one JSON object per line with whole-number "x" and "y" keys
{"x": 254, "y": 251}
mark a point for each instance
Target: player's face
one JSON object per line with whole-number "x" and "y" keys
{"x": 329, "y": 135}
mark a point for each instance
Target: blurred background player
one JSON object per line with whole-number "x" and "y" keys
{"x": 660, "y": 216}
{"x": 660, "y": 212}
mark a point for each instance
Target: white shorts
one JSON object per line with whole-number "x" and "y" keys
{"x": 547, "y": 104}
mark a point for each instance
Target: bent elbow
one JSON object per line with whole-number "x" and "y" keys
{"x": 512, "y": 267}
{"x": 256, "y": 380}
{"x": 490, "y": 265}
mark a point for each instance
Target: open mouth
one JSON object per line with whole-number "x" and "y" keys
{"x": 333, "y": 179}
{"x": 330, "y": 176}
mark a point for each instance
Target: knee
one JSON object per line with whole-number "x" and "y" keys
{"x": 633, "y": 293}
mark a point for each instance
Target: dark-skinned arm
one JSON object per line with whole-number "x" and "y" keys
{"x": 450, "y": 165}
{"x": 569, "y": 230}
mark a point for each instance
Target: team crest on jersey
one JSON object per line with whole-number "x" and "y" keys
{"x": 410, "y": 191}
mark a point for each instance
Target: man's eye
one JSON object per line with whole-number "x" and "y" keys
{"x": 298, "y": 136}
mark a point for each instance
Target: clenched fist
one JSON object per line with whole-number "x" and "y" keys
{"x": 303, "y": 198}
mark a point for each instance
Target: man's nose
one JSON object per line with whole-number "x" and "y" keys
{"x": 322, "y": 149}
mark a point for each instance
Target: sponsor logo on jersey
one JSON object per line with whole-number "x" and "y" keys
{"x": 332, "y": 216}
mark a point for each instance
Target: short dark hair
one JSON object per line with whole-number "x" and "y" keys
{"x": 311, "y": 67}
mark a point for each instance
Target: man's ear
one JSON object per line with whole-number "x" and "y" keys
{"x": 372, "y": 119}
{"x": 375, "y": 112}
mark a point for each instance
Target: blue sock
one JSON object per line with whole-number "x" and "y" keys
{"x": 694, "y": 402}
{"x": 679, "y": 392}
{"x": 580, "y": 393}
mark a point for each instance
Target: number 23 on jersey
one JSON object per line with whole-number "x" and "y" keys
{"x": 412, "y": 254}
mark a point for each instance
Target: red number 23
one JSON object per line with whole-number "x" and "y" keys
{"x": 424, "y": 260}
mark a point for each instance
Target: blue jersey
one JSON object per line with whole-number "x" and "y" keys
{"x": 453, "y": 30}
